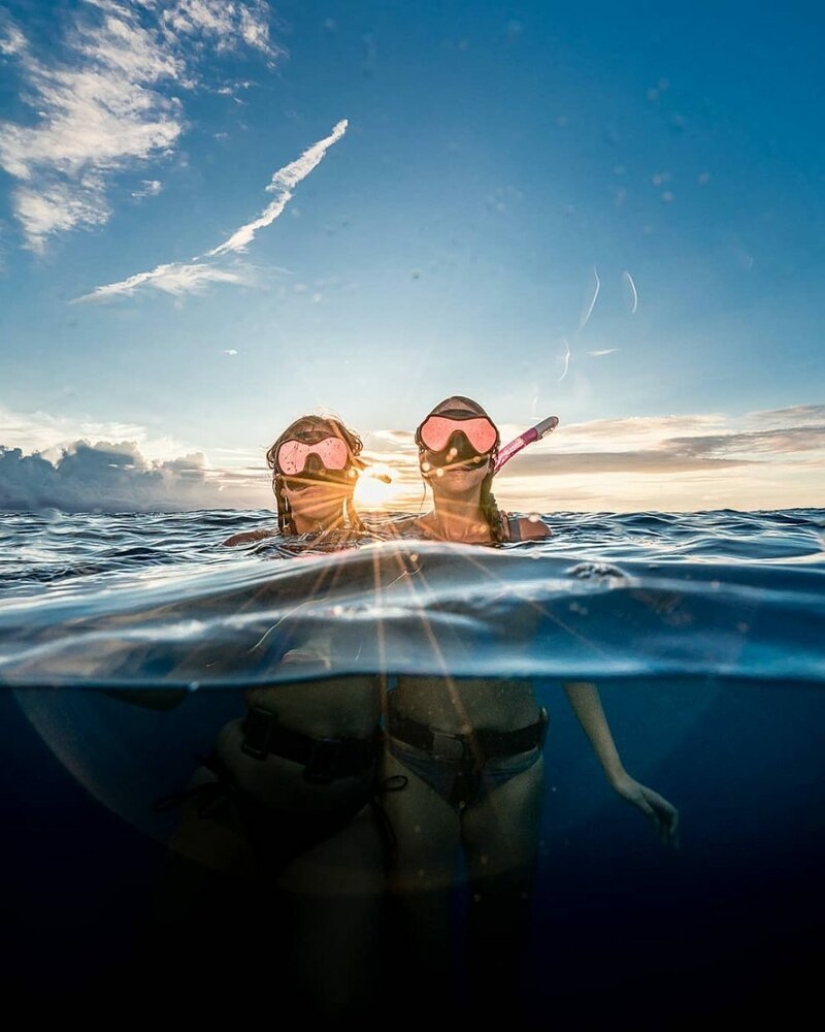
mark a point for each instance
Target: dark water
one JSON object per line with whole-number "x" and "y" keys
{"x": 705, "y": 633}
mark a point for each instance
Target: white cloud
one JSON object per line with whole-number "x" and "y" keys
{"x": 105, "y": 477}
{"x": 179, "y": 278}
{"x": 226, "y": 21}
{"x": 12, "y": 40}
{"x": 150, "y": 188}
{"x": 100, "y": 108}
{"x": 56, "y": 207}
{"x": 667, "y": 464}
{"x": 117, "y": 477}
{"x": 48, "y": 461}
{"x": 174, "y": 278}
{"x": 47, "y": 433}
{"x": 283, "y": 182}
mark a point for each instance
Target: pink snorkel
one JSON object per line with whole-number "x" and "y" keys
{"x": 535, "y": 433}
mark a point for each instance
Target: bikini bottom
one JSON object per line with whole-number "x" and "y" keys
{"x": 467, "y": 778}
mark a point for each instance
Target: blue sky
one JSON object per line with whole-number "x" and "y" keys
{"x": 216, "y": 216}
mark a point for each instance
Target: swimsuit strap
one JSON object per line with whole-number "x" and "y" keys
{"x": 514, "y": 528}
{"x": 490, "y": 744}
{"x": 324, "y": 759}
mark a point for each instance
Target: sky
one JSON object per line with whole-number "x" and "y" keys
{"x": 216, "y": 216}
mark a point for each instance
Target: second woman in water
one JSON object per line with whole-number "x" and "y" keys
{"x": 470, "y": 750}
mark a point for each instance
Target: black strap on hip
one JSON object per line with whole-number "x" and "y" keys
{"x": 490, "y": 745}
{"x": 324, "y": 759}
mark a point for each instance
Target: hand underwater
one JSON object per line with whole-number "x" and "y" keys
{"x": 663, "y": 815}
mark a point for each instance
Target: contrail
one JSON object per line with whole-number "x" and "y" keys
{"x": 566, "y": 358}
{"x": 583, "y": 323}
{"x": 179, "y": 278}
{"x": 629, "y": 280}
{"x": 282, "y": 183}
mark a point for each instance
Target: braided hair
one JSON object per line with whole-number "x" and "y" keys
{"x": 308, "y": 429}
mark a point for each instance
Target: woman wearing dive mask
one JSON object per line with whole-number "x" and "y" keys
{"x": 280, "y": 850}
{"x": 471, "y": 750}
{"x": 457, "y": 448}
{"x": 315, "y": 465}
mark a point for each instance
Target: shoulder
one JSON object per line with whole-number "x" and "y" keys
{"x": 249, "y": 535}
{"x": 520, "y": 528}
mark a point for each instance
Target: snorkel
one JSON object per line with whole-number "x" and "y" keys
{"x": 535, "y": 433}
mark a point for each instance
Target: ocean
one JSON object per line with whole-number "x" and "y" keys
{"x": 705, "y": 633}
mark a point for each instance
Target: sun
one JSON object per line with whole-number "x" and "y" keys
{"x": 372, "y": 491}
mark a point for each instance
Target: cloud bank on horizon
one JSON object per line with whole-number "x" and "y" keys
{"x": 601, "y": 465}
{"x": 104, "y": 477}
{"x": 101, "y": 109}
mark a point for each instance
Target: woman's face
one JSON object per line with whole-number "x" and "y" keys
{"x": 317, "y": 474}
{"x": 460, "y": 464}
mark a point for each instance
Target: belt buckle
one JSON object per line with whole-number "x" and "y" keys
{"x": 257, "y": 730}
{"x": 448, "y": 747}
{"x": 322, "y": 765}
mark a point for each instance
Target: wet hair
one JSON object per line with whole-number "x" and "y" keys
{"x": 489, "y": 507}
{"x": 309, "y": 430}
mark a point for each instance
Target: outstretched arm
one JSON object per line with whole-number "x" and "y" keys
{"x": 245, "y": 536}
{"x": 584, "y": 699}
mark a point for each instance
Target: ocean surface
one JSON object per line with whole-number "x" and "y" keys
{"x": 705, "y": 633}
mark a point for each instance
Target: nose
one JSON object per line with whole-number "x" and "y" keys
{"x": 460, "y": 447}
{"x": 313, "y": 464}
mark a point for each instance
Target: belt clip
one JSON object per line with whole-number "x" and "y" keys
{"x": 322, "y": 765}
{"x": 544, "y": 719}
{"x": 257, "y": 732}
{"x": 448, "y": 747}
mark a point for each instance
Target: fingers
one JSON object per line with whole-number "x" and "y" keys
{"x": 667, "y": 821}
{"x": 665, "y": 817}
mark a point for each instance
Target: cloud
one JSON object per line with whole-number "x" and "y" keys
{"x": 150, "y": 188}
{"x": 12, "y": 40}
{"x": 670, "y": 464}
{"x": 676, "y": 444}
{"x": 100, "y": 108}
{"x": 48, "y": 461}
{"x": 667, "y": 463}
{"x": 179, "y": 278}
{"x": 49, "y": 436}
{"x": 174, "y": 278}
{"x": 799, "y": 415}
{"x": 629, "y": 463}
{"x": 108, "y": 477}
{"x": 283, "y": 182}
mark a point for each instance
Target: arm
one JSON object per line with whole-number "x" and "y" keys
{"x": 249, "y": 535}
{"x": 533, "y": 530}
{"x": 525, "y": 528}
{"x": 586, "y": 704}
